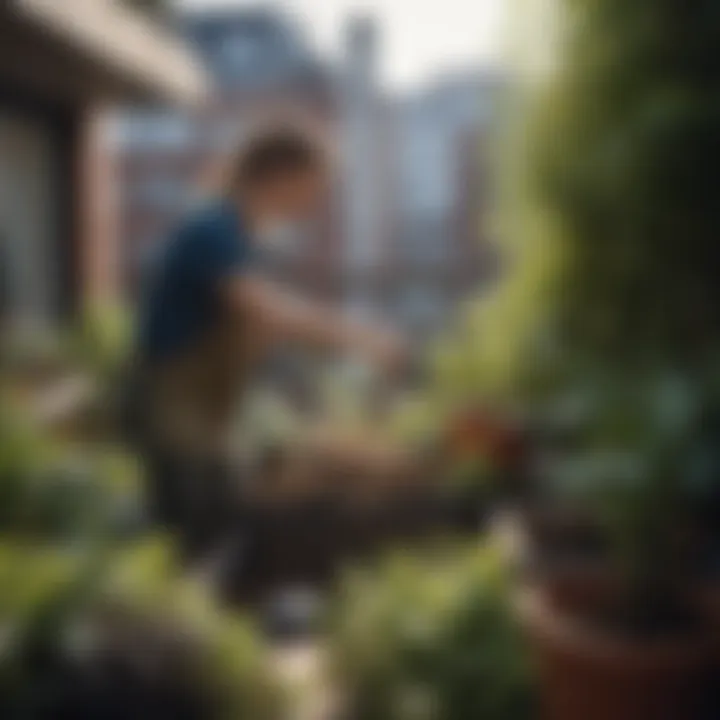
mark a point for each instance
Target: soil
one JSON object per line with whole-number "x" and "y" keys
{"x": 650, "y": 622}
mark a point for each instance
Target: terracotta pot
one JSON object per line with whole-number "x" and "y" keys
{"x": 553, "y": 529}
{"x": 563, "y": 553}
{"x": 705, "y": 598}
{"x": 588, "y": 674}
{"x": 582, "y": 588}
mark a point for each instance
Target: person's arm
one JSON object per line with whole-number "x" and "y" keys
{"x": 284, "y": 316}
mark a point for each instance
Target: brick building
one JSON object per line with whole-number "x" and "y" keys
{"x": 440, "y": 253}
{"x": 263, "y": 71}
{"x": 401, "y": 235}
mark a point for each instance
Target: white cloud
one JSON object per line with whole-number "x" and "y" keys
{"x": 419, "y": 37}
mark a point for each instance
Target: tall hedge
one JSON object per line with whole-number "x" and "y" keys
{"x": 611, "y": 217}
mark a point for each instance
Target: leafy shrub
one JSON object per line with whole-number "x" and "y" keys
{"x": 91, "y": 626}
{"x": 121, "y": 634}
{"x": 103, "y": 338}
{"x": 62, "y": 493}
{"x": 432, "y": 638}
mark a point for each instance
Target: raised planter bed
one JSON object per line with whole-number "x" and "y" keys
{"x": 303, "y": 530}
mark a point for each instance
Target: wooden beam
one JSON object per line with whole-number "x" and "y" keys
{"x": 107, "y": 37}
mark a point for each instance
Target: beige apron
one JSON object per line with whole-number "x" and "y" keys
{"x": 193, "y": 398}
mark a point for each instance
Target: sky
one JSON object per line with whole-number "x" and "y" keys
{"x": 419, "y": 38}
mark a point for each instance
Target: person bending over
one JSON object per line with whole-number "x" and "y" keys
{"x": 209, "y": 317}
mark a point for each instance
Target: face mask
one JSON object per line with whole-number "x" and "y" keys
{"x": 279, "y": 236}
{"x": 197, "y": 200}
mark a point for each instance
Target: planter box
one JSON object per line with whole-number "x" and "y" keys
{"x": 309, "y": 542}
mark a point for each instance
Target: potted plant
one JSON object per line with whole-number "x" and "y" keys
{"x": 611, "y": 228}
{"x": 624, "y": 639}
{"x": 704, "y": 482}
{"x": 486, "y": 458}
{"x": 563, "y": 545}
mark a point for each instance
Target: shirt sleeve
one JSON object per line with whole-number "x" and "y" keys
{"x": 218, "y": 251}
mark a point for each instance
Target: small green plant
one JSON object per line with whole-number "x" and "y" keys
{"x": 101, "y": 340}
{"x": 224, "y": 655}
{"x": 630, "y": 470}
{"x": 58, "y": 493}
{"x": 431, "y": 637}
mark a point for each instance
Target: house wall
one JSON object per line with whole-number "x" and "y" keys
{"x": 56, "y": 207}
{"x": 36, "y": 148}
{"x": 59, "y": 61}
{"x": 27, "y": 217}
{"x": 98, "y": 261}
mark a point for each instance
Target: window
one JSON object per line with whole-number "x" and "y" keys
{"x": 161, "y": 193}
{"x": 239, "y": 52}
{"x": 421, "y": 306}
{"x": 160, "y": 131}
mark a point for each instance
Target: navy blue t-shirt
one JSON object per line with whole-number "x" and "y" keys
{"x": 181, "y": 301}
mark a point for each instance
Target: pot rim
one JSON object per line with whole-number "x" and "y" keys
{"x": 548, "y": 624}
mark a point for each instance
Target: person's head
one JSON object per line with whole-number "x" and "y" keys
{"x": 280, "y": 176}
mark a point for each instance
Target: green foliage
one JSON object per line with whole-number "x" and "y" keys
{"x": 97, "y": 342}
{"x": 20, "y": 462}
{"x": 629, "y": 465}
{"x": 77, "y": 601}
{"x": 39, "y": 354}
{"x": 61, "y": 494}
{"x": 225, "y": 655}
{"x": 102, "y": 340}
{"x": 473, "y": 475}
{"x": 43, "y": 592}
{"x": 432, "y": 638}
{"x": 610, "y": 309}
{"x": 75, "y": 607}
{"x": 611, "y": 219}
{"x": 266, "y": 420}
{"x": 70, "y": 583}
{"x": 415, "y": 419}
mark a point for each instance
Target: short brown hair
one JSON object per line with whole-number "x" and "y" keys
{"x": 273, "y": 153}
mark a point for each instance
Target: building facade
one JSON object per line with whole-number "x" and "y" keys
{"x": 263, "y": 72}
{"x": 61, "y": 64}
{"x": 441, "y": 251}
{"x": 404, "y": 232}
